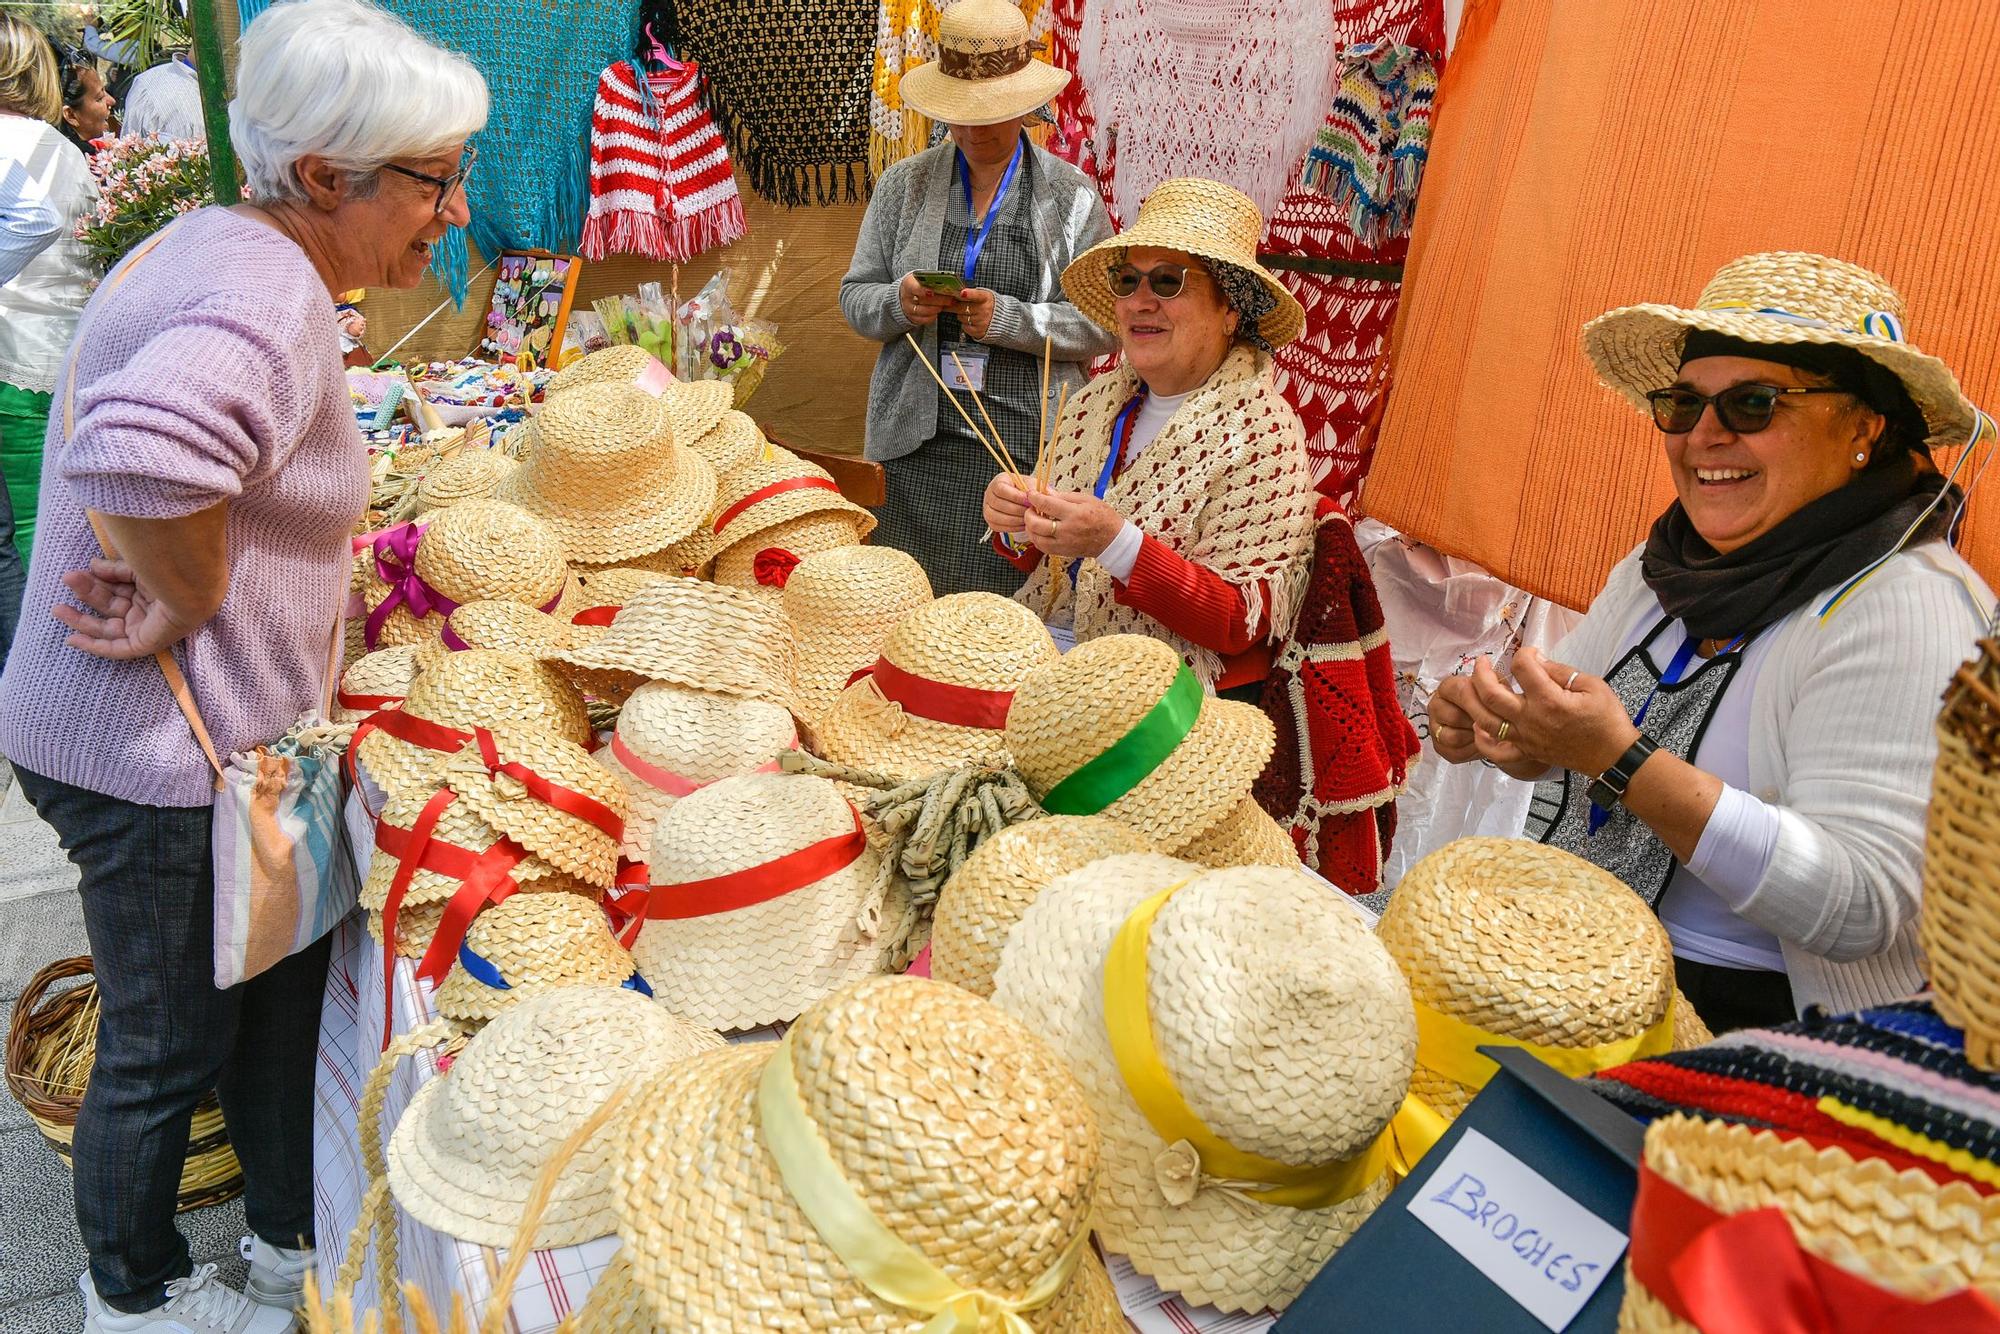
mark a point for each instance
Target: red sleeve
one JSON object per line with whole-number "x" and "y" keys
{"x": 1025, "y": 560}
{"x": 1191, "y": 600}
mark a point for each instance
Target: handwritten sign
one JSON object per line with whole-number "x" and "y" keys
{"x": 1513, "y": 1225}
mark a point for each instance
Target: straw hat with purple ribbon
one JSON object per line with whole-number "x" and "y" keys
{"x": 475, "y": 551}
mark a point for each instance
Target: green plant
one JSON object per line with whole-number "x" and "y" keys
{"x": 150, "y": 26}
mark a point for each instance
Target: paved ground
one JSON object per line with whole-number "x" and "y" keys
{"x": 40, "y": 1255}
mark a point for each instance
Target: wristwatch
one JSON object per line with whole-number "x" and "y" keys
{"x": 1609, "y": 787}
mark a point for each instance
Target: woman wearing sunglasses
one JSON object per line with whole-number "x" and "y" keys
{"x": 1741, "y": 726}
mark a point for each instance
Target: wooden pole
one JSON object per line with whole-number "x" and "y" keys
{"x": 213, "y": 80}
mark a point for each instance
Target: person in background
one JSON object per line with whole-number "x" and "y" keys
{"x": 214, "y": 443}
{"x": 165, "y": 102}
{"x": 87, "y": 103}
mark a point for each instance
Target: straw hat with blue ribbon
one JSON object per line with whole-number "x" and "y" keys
{"x": 529, "y": 944}
{"x": 1245, "y": 1043}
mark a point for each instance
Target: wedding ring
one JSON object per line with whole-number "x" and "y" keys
{"x": 1571, "y": 683}
{"x": 1055, "y": 528}
{"x": 1505, "y": 728}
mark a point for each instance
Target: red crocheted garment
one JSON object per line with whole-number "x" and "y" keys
{"x": 661, "y": 183}
{"x": 1344, "y": 747}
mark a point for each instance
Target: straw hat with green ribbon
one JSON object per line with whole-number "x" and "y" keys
{"x": 1120, "y": 726}
{"x": 1245, "y": 1051}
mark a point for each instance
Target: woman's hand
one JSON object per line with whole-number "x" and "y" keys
{"x": 975, "y": 312}
{"x": 128, "y": 623}
{"x": 921, "y": 306}
{"x": 1070, "y": 523}
{"x": 1005, "y": 506}
{"x": 1560, "y": 716}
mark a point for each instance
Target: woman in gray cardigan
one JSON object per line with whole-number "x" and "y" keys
{"x": 1005, "y": 217}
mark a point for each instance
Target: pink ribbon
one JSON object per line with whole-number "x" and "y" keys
{"x": 396, "y": 563}
{"x": 671, "y": 783}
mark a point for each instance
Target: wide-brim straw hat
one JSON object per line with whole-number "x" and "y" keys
{"x": 470, "y": 474}
{"x": 375, "y": 681}
{"x": 1282, "y": 1022}
{"x": 1780, "y": 297}
{"x": 956, "y": 1127}
{"x": 795, "y": 940}
{"x": 1247, "y": 836}
{"x": 585, "y": 846}
{"x": 1901, "y": 1231}
{"x": 979, "y": 648}
{"x": 1528, "y": 942}
{"x": 535, "y": 943}
{"x": 694, "y": 634}
{"x": 1203, "y": 218}
{"x": 510, "y": 627}
{"x": 985, "y": 897}
{"x": 986, "y": 71}
{"x": 477, "y": 688}
{"x": 606, "y": 472}
{"x": 764, "y": 561}
{"x": 692, "y": 406}
{"x": 466, "y": 1153}
{"x": 732, "y": 442}
{"x": 476, "y": 551}
{"x": 842, "y": 605}
{"x": 776, "y": 486}
{"x": 671, "y": 741}
{"x": 1079, "y": 707}
{"x": 596, "y": 594}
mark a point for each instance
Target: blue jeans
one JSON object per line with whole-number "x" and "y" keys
{"x": 166, "y": 1035}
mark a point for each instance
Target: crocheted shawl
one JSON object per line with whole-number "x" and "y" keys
{"x": 1076, "y": 138}
{"x": 906, "y": 37}
{"x": 661, "y": 183}
{"x": 789, "y": 82}
{"x": 1233, "y": 90}
{"x": 1225, "y": 484}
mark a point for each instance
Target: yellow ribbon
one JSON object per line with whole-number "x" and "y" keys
{"x": 1413, "y": 1131}
{"x": 1447, "y": 1046}
{"x": 885, "y": 1264}
{"x": 1146, "y": 1077}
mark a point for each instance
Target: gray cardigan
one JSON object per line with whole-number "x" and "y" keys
{"x": 901, "y": 234}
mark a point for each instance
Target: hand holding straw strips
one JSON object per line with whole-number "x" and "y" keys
{"x": 998, "y": 455}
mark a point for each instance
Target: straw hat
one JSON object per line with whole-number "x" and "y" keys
{"x": 511, "y": 627}
{"x": 470, "y": 474}
{"x": 694, "y": 634}
{"x": 764, "y": 561}
{"x": 467, "y": 1150}
{"x": 1780, "y": 297}
{"x": 1280, "y": 1020}
{"x": 986, "y": 71}
{"x": 795, "y": 939}
{"x": 497, "y": 784}
{"x": 463, "y": 691}
{"x": 842, "y": 605}
{"x": 732, "y": 442}
{"x": 763, "y": 493}
{"x": 375, "y": 680}
{"x": 980, "y": 646}
{"x": 671, "y": 741}
{"x": 1247, "y": 836}
{"x": 953, "y": 1125}
{"x": 1203, "y": 218}
{"x": 459, "y": 826}
{"x": 596, "y": 594}
{"x": 605, "y": 471}
{"x": 692, "y": 406}
{"x": 1090, "y": 700}
{"x": 986, "y": 895}
{"x": 1898, "y": 1230}
{"x": 535, "y": 943}
{"x": 1527, "y": 942}
{"x": 476, "y": 551}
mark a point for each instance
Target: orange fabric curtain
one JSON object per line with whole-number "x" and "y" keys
{"x": 1597, "y": 153}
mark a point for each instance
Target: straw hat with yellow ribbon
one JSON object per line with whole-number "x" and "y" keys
{"x": 694, "y": 634}
{"x": 842, "y": 605}
{"x": 528, "y": 945}
{"x": 693, "y": 407}
{"x": 470, "y": 474}
{"x": 1244, "y": 1052}
{"x": 986, "y": 895}
{"x": 1737, "y": 1228}
{"x": 939, "y": 695}
{"x": 1247, "y": 836}
{"x": 764, "y": 561}
{"x": 763, "y": 493}
{"x": 375, "y": 681}
{"x": 1508, "y": 942}
{"x": 907, "y": 1157}
{"x": 764, "y": 899}
{"x": 475, "y": 551}
{"x": 452, "y": 695}
{"x": 606, "y": 472}
{"x": 1120, "y": 726}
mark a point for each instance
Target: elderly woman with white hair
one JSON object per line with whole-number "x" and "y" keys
{"x": 203, "y": 427}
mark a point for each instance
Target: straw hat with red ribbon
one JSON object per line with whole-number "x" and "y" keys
{"x": 842, "y": 605}
{"x": 939, "y": 695}
{"x": 692, "y": 633}
{"x": 693, "y": 407}
{"x": 597, "y": 595}
{"x": 762, "y": 494}
{"x": 1245, "y": 1043}
{"x": 475, "y": 551}
{"x": 764, "y": 561}
{"x": 764, "y": 899}
{"x": 457, "y": 692}
{"x": 375, "y": 681}
{"x": 730, "y": 443}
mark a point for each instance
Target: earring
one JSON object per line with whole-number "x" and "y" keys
{"x": 1861, "y": 458}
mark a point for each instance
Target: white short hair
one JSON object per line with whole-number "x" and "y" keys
{"x": 347, "y": 81}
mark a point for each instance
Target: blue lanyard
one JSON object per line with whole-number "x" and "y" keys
{"x": 1110, "y": 462}
{"x": 975, "y": 242}
{"x": 1676, "y": 667}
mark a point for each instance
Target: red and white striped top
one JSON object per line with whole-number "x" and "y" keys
{"x": 661, "y": 182}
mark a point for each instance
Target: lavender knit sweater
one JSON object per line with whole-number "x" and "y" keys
{"x": 211, "y": 373}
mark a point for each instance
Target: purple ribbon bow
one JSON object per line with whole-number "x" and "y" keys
{"x": 396, "y": 563}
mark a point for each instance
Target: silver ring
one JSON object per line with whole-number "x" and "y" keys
{"x": 1505, "y": 728}
{"x": 1572, "y": 678}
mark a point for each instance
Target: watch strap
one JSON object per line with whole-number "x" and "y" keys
{"x": 1608, "y": 789}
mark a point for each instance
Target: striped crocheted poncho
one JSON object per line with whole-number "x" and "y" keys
{"x": 661, "y": 183}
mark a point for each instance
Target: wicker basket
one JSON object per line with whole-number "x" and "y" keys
{"x": 51, "y": 1043}
{"x": 1961, "y": 915}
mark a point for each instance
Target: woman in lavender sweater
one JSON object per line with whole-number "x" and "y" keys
{"x": 214, "y": 442}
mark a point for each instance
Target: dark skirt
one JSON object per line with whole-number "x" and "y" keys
{"x": 933, "y": 511}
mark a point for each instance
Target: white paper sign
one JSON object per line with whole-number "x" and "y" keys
{"x": 1513, "y": 1225}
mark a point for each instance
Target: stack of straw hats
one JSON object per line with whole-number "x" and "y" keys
{"x": 470, "y": 474}
{"x": 465, "y": 1155}
{"x": 754, "y": 499}
{"x": 884, "y": 1094}
{"x": 764, "y": 899}
{"x": 693, "y": 634}
{"x": 462, "y": 691}
{"x": 1244, "y": 1042}
{"x": 941, "y": 693}
{"x": 475, "y": 551}
{"x": 842, "y": 605}
{"x": 528, "y": 945}
{"x": 1505, "y": 940}
{"x": 1119, "y": 726}
{"x": 693, "y": 407}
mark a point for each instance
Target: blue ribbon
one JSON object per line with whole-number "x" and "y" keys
{"x": 638, "y": 984}
{"x": 975, "y": 242}
{"x": 480, "y": 969}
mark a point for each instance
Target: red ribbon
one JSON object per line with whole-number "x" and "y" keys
{"x": 626, "y": 904}
{"x": 758, "y": 884}
{"x": 365, "y": 703}
{"x": 595, "y": 616}
{"x": 671, "y": 783}
{"x": 1747, "y": 1274}
{"x": 773, "y": 567}
{"x": 394, "y": 721}
{"x": 763, "y": 494}
{"x": 396, "y": 562}
{"x": 414, "y": 849}
{"x": 550, "y": 793}
{"x": 491, "y": 881}
{"x": 939, "y": 701}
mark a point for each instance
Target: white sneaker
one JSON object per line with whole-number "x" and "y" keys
{"x": 277, "y": 1273}
{"x": 201, "y": 1303}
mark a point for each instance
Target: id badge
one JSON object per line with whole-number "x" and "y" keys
{"x": 973, "y": 357}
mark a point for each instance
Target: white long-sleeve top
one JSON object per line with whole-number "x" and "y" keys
{"x": 1841, "y": 745}
{"x": 40, "y": 306}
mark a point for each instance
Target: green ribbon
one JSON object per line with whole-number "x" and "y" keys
{"x": 1122, "y": 767}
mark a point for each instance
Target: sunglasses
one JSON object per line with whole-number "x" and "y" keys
{"x": 1167, "y": 281}
{"x": 1744, "y": 408}
{"x": 446, "y": 185}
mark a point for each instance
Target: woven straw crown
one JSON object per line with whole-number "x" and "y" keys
{"x": 1780, "y": 297}
{"x": 471, "y": 474}
{"x": 692, "y": 406}
{"x": 538, "y": 943}
{"x": 574, "y": 844}
{"x": 730, "y": 443}
{"x": 1247, "y": 836}
{"x": 476, "y": 551}
{"x": 384, "y": 674}
{"x": 1959, "y": 927}
{"x": 695, "y": 735}
{"x": 982, "y": 28}
{"x": 694, "y": 634}
{"x": 477, "y": 688}
{"x": 842, "y": 605}
{"x": 511, "y": 627}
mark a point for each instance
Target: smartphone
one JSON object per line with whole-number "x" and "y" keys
{"x": 950, "y": 284}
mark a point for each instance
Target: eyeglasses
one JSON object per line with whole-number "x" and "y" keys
{"x": 1744, "y": 408}
{"x": 1167, "y": 281}
{"x": 446, "y": 185}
